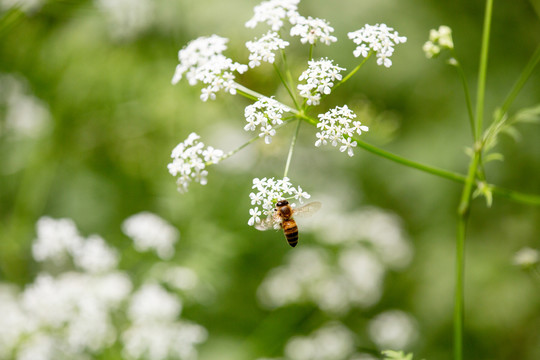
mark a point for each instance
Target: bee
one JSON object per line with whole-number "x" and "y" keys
{"x": 283, "y": 216}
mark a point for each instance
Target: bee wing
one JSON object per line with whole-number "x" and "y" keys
{"x": 308, "y": 209}
{"x": 266, "y": 224}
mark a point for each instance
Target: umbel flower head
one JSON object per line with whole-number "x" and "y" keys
{"x": 268, "y": 191}
{"x": 189, "y": 161}
{"x": 263, "y": 48}
{"x": 320, "y": 78}
{"x": 378, "y": 38}
{"x": 273, "y": 13}
{"x": 264, "y": 114}
{"x": 202, "y": 61}
{"x": 337, "y": 127}
{"x": 313, "y": 31}
{"x": 438, "y": 40}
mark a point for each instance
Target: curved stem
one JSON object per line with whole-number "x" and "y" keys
{"x": 291, "y": 150}
{"x": 353, "y": 71}
{"x": 286, "y": 85}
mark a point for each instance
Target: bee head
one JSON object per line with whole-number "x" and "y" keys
{"x": 282, "y": 203}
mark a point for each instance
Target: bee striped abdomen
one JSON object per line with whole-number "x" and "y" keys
{"x": 291, "y": 231}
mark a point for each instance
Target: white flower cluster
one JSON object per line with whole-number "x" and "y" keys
{"x": 393, "y": 329}
{"x": 58, "y": 239}
{"x": 155, "y": 333}
{"x": 151, "y": 232}
{"x": 331, "y": 341}
{"x": 337, "y": 127}
{"x": 438, "y": 40}
{"x": 263, "y": 48}
{"x": 189, "y": 161}
{"x": 268, "y": 192}
{"x": 72, "y": 315}
{"x": 273, "y": 12}
{"x": 320, "y": 77}
{"x": 265, "y": 113}
{"x": 202, "y": 61}
{"x": 313, "y": 30}
{"x": 353, "y": 279}
{"x": 378, "y": 38}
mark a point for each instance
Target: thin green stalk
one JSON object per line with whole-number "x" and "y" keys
{"x": 481, "y": 89}
{"x": 286, "y": 85}
{"x": 289, "y": 77}
{"x": 291, "y": 150}
{"x": 525, "y": 75}
{"x": 353, "y": 71}
{"x": 467, "y": 95}
{"x": 311, "y": 51}
{"x": 459, "y": 291}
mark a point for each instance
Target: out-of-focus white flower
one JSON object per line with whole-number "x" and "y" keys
{"x": 438, "y": 40}
{"x": 527, "y": 258}
{"x": 268, "y": 192}
{"x": 25, "y": 115}
{"x": 38, "y": 347}
{"x": 163, "y": 340}
{"x": 150, "y": 232}
{"x": 265, "y": 114}
{"x": 263, "y": 49}
{"x": 153, "y": 303}
{"x": 178, "y": 277}
{"x": 378, "y": 38}
{"x": 189, "y": 161}
{"x": 393, "y": 329}
{"x": 332, "y": 341}
{"x": 127, "y": 18}
{"x": 202, "y": 61}
{"x": 274, "y": 12}
{"x": 95, "y": 256}
{"x": 14, "y": 323}
{"x": 337, "y": 126}
{"x": 320, "y": 77}
{"x": 56, "y": 239}
{"x": 313, "y": 31}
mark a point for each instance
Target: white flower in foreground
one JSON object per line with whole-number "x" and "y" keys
{"x": 95, "y": 256}
{"x": 313, "y": 31}
{"x": 273, "y": 13}
{"x": 393, "y": 329}
{"x": 332, "y": 341}
{"x": 438, "y": 40}
{"x": 189, "y": 161}
{"x": 202, "y": 61}
{"x": 150, "y": 232}
{"x": 378, "y": 38}
{"x": 56, "y": 239}
{"x": 265, "y": 114}
{"x": 320, "y": 77}
{"x": 268, "y": 192}
{"x": 337, "y": 126}
{"x": 527, "y": 257}
{"x": 153, "y": 303}
{"x": 263, "y": 49}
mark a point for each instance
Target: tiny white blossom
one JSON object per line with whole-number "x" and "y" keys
{"x": 337, "y": 127}
{"x": 189, "y": 161}
{"x": 265, "y": 113}
{"x": 313, "y": 31}
{"x": 273, "y": 13}
{"x": 438, "y": 40}
{"x": 527, "y": 257}
{"x": 320, "y": 77}
{"x": 378, "y": 38}
{"x": 202, "y": 61}
{"x": 263, "y": 49}
{"x": 268, "y": 192}
{"x": 149, "y": 231}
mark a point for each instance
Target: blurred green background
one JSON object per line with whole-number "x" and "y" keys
{"x": 110, "y": 117}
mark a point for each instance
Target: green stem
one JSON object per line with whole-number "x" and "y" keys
{"x": 353, "y": 71}
{"x": 481, "y": 89}
{"x": 289, "y": 78}
{"x": 286, "y": 85}
{"x": 467, "y": 95}
{"x": 459, "y": 290}
{"x": 527, "y": 71}
{"x": 291, "y": 150}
